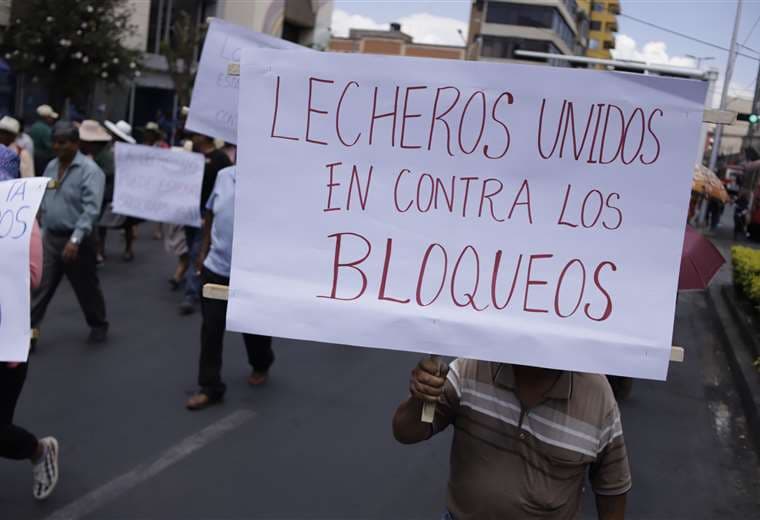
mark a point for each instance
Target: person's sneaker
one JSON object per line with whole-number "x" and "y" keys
{"x": 98, "y": 335}
{"x": 46, "y": 469}
{"x": 187, "y": 307}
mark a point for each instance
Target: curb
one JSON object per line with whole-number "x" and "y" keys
{"x": 740, "y": 343}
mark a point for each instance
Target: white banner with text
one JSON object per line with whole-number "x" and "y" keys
{"x": 158, "y": 184}
{"x": 19, "y": 202}
{"x": 524, "y": 214}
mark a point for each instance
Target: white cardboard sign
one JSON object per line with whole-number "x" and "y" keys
{"x": 503, "y": 212}
{"x": 19, "y": 202}
{"x": 158, "y": 184}
{"x": 214, "y": 104}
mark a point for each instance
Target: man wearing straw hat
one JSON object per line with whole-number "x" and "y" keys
{"x": 42, "y": 135}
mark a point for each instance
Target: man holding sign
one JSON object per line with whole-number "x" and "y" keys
{"x": 69, "y": 214}
{"x": 493, "y": 212}
{"x": 524, "y": 438}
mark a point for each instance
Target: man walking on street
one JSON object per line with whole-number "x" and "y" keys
{"x": 214, "y": 263}
{"x": 42, "y": 136}
{"x": 524, "y": 439}
{"x": 215, "y": 161}
{"x": 69, "y": 214}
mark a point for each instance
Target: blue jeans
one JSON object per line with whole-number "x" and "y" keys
{"x": 447, "y": 516}
{"x": 192, "y": 280}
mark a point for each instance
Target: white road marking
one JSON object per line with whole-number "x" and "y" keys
{"x": 97, "y": 498}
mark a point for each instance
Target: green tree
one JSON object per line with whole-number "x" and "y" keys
{"x": 186, "y": 39}
{"x": 69, "y": 45}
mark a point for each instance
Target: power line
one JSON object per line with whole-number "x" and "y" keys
{"x": 688, "y": 37}
{"x": 751, "y": 30}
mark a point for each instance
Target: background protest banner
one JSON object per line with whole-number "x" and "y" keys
{"x": 525, "y": 214}
{"x": 19, "y": 202}
{"x": 158, "y": 184}
{"x": 214, "y": 104}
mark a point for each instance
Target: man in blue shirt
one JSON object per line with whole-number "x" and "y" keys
{"x": 69, "y": 213}
{"x": 214, "y": 263}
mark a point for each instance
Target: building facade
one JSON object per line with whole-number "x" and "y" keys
{"x": 603, "y": 25}
{"x": 393, "y": 42}
{"x": 152, "y": 95}
{"x": 499, "y": 29}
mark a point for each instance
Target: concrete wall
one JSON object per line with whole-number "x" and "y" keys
{"x": 268, "y": 16}
{"x": 530, "y": 33}
{"x": 731, "y": 141}
{"x": 140, "y": 18}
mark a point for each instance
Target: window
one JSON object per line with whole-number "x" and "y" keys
{"x": 520, "y": 14}
{"x": 593, "y": 44}
{"x": 609, "y": 44}
{"x": 596, "y": 25}
{"x": 572, "y": 6}
{"x": 502, "y": 47}
{"x": 597, "y": 6}
{"x": 541, "y": 16}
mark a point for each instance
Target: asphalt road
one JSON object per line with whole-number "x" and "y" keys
{"x": 315, "y": 442}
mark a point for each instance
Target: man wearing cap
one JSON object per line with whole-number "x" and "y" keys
{"x": 154, "y": 136}
{"x": 69, "y": 213}
{"x": 42, "y": 136}
{"x": 9, "y": 131}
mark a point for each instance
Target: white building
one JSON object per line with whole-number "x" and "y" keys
{"x": 302, "y": 21}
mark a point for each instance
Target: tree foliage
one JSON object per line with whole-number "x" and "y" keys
{"x": 186, "y": 38}
{"x": 68, "y": 45}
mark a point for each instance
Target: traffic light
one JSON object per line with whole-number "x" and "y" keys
{"x": 752, "y": 118}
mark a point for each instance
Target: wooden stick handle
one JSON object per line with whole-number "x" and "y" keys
{"x": 215, "y": 291}
{"x": 428, "y": 409}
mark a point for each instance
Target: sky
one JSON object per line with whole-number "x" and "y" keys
{"x": 708, "y": 20}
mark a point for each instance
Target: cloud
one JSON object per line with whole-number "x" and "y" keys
{"x": 422, "y": 27}
{"x": 655, "y": 52}
{"x": 343, "y": 21}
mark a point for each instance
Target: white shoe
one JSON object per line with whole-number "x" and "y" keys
{"x": 46, "y": 470}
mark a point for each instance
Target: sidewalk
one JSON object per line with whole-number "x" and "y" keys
{"x": 740, "y": 330}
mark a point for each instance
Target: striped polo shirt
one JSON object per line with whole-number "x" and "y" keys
{"x": 508, "y": 462}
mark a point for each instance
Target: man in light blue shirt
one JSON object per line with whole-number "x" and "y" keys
{"x": 214, "y": 263}
{"x": 68, "y": 214}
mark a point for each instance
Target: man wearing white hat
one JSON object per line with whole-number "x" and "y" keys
{"x": 95, "y": 142}
{"x": 41, "y": 133}
{"x": 121, "y": 130}
{"x": 9, "y": 130}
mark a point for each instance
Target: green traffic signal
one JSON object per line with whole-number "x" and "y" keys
{"x": 753, "y": 118}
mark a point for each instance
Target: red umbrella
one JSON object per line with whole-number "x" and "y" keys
{"x": 700, "y": 261}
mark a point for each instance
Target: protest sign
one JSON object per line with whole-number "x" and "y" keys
{"x": 213, "y": 107}
{"x": 19, "y": 201}
{"x": 158, "y": 184}
{"x": 503, "y": 212}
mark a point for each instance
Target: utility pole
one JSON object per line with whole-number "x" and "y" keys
{"x": 718, "y": 133}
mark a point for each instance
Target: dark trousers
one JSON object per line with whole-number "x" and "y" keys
{"x": 193, "y": 238}
{"x": 82, "y": 274}
{"x": 259, "y": 348}
{"x": 15, "y": 443}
